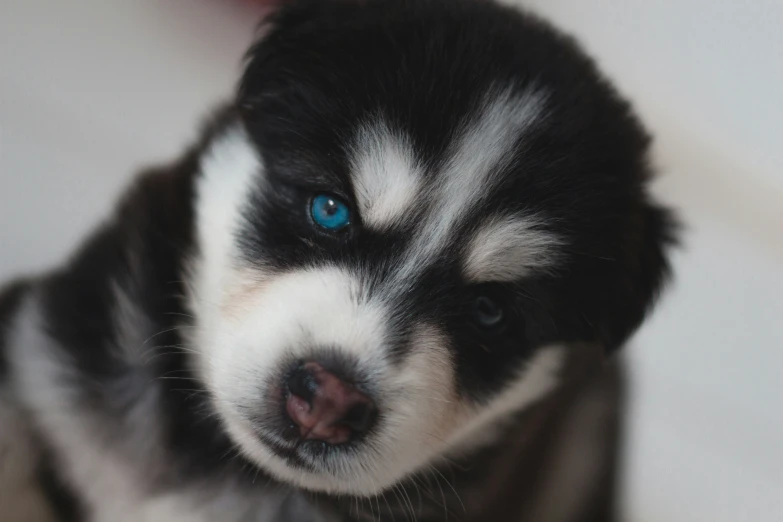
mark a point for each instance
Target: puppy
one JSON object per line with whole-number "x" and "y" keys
{"x": 376, "y": 288}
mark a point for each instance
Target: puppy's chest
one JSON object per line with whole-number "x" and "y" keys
{"x": 111, "y": 492}
{"x": 187, "y": 506}
{"x": 181, "y": 506}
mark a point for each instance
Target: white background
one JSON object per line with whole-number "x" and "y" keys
{"x": 92, "y": 89}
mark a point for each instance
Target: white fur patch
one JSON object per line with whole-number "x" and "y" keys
{"x": 509, "y": 248}
{"x": 228, "y": 170}
{"x": 386, "y": 176}
{"x": 420, "y": 409}
{"x": 294, "y": 314}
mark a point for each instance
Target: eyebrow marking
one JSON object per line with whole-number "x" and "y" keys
{"x": 509, "y": 248}
{"x": 386, "y": 174}
{"x": 482, "y": 149}
{"x": 227, "y": 171}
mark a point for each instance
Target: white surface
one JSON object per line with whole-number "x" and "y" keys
{"x": 91, "y": 89}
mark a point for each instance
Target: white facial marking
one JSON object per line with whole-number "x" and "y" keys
{"x": 228, "y": 170}
{"x": 307, "y": 310}
{"x": 482, "y": 152}
{"x": 295, "y": 314}
{"x": 421, "y": 409}
{"x": 293, "y": 317}
{"x": 509, "y": 248}
{"x": 386, "y": 177}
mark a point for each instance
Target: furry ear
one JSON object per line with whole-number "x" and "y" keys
{"x": 277, "y": 32}
{"x": 629, "y": 284}
{"x": 279, "y": 14}
{"x": 616, "y": 272}
{"x": 643, "y": 271}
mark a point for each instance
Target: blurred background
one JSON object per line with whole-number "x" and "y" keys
{"x": 90, "y": 90}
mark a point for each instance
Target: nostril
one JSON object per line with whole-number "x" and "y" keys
{"x": 360, "y": 417}
{"x": 302, "y": 384}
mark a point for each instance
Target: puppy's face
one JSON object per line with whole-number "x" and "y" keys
{"x": 415, "y": 214}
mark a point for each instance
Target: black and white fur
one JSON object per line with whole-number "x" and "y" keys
{"x": 482, "y": 154}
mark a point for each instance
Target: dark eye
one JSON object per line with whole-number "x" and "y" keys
{"x": 487, "y": 313}
{"x": 330, "y": 212}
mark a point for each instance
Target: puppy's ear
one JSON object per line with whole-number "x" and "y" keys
{"x": 280, "y": 17}
{"x": 288, "y": 26}
{"x": 642, "y": 271}
{"x": 617, "y": 254}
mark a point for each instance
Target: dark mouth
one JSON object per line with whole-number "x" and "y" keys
{"x": 295, "y": 454}
{"x": 308, "y": 455}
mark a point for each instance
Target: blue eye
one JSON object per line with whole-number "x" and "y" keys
{"x": 329, "y": 212}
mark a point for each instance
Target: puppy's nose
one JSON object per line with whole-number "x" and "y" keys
{"x": 325, "y": 407}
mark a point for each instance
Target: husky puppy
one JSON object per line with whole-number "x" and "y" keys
{"x": 382, "y": 285}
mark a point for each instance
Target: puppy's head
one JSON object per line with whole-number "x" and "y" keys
{"x": 419, "y": 210}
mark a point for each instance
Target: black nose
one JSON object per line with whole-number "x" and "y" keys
{"x": 326, "y": 407}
